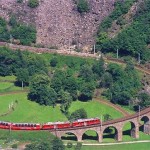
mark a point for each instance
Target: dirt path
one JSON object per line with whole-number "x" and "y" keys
{"x": 118, "y": 108}
{"x": 120, "y": 143}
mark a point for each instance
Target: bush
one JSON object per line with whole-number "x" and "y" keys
{"x": 78, "y": 114}
{"x": 14, "y": 146}
{"x": 19, "y": 1}
{"x": 69, "y": 145}
{"x": 33, "y": 3}
{"x": 78, "y": 146}
{"x": 82, "y": 6}
{"x": 53, "y": 62}
{"x": 26, "y": 34}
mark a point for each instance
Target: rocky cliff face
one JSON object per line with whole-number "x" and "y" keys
{"x": 58, "y": 22}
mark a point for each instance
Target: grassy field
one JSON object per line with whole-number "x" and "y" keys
{"x": 8, "y": 138}
{"x": 7, "y": 84}
{"x": 95, "y": 109}
{"x": 8, "y": 78}
{"x": 28, "y": 111}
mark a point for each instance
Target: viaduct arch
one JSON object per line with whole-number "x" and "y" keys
{"x": 117, "y": 124}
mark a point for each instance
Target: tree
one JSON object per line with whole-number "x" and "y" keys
{"x": 78, "y": 114}
{"x": 86, "y": 73}
{"x": 26, "y": 34}
{"x": 66, "y": 100}
{"x": 98, "y": 67}
{"x": 106, "y": 80}
{"x": 22, "y": 76}
{"x": 144, "y": 100}
{"x": 82, "y": 6}
{"x": 107, "y": 117}
{"x": 43, "y": 145}
{"x": 86, "y": 91}
{"x": 70, "y": 85}
{"x": 31, "y": 146}
{"x": 40, "y": 90}
{"x": 13, "y": 21}
{"x": 57, "y": 144}
{"x": 56, "y": 84}
{"x": 53, "y": 62}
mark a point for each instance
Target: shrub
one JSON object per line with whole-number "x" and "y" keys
{"x": 14, "y": 146}
{"x": 78, "y": 146}
{"x": 82, "y": 6}
{"x": 19, "y": 1}
{"x": 69, "y": 145}
{"x": 33, "y": 3}
{"x": 53, "y": 62}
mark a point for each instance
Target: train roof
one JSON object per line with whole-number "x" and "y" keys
{"x": 53, "y": 123}
{"x": 27, "y": 123}
{"x": 80, "y": 120}
{"x": 5, "y": 122}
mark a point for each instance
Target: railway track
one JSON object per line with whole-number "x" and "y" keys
{"x": 68, "y": 52}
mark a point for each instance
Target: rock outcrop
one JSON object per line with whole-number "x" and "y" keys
{"x": 58, "y": 22}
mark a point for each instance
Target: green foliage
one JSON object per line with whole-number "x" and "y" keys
{"x": 13, "y": 21}
{"x": 57, "y": 144}
{"x": 4, "y": 33}
{"x": 78, "y": 146}
{"x": 19, "y": 1}
{"x": 78, "y": 114}
{"x": 33, "y": 3}
{"x": 144, "y": 99}
{"x": 53, "y": 62}
{"x": 126, "y": 83}
{"x": 69, "y": 145}
{"x": 98, "y": 67}
{"x": 86, "y": 73}
{"x": 66, "y": 100}
{"x": 107, "y": 117}
{"x": 22, "y": 76}
{"x": 134, "y": 39}
{"x": 121, "y": 7}
{"x": 86, "y": 91}
{"x": 82, "y": 6}
{"x": 102, "y": 38}
{"x": 43, "y": 145}
{"x": 40, "y": 90}
{"x": 106, "y": 80}
{"x": 26, "y": 34}
{"x": 14, "y": 146}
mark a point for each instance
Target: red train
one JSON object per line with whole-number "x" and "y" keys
{"x": 25, "y": 126}
{"x": 49, "y": 125}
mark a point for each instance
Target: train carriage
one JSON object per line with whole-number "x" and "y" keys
{"x": 25, "y": 126}
{"x": 48, "y": 126}
{"x": 5, "y": 125}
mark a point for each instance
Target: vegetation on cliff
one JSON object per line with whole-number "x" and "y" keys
{"x": 132, "y": 40}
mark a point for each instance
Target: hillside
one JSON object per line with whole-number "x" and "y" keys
{"x": 58, "y": 23}
{"x": 127, "y": 29}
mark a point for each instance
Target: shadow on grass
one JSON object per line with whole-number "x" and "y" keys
{"x": 69, "y": 136}
{"x": 89, "y": 137}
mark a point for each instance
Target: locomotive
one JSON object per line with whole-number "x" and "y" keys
{"x": 49, "y": 125}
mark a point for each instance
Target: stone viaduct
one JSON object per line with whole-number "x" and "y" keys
{"x": 117, "y": 124}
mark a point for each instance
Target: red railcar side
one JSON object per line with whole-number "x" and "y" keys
{"x": 25, "y": 126}
{"x": 47, "y": 126}
{"x": 5, "y": 125}
{"x": 63, "y": 125}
